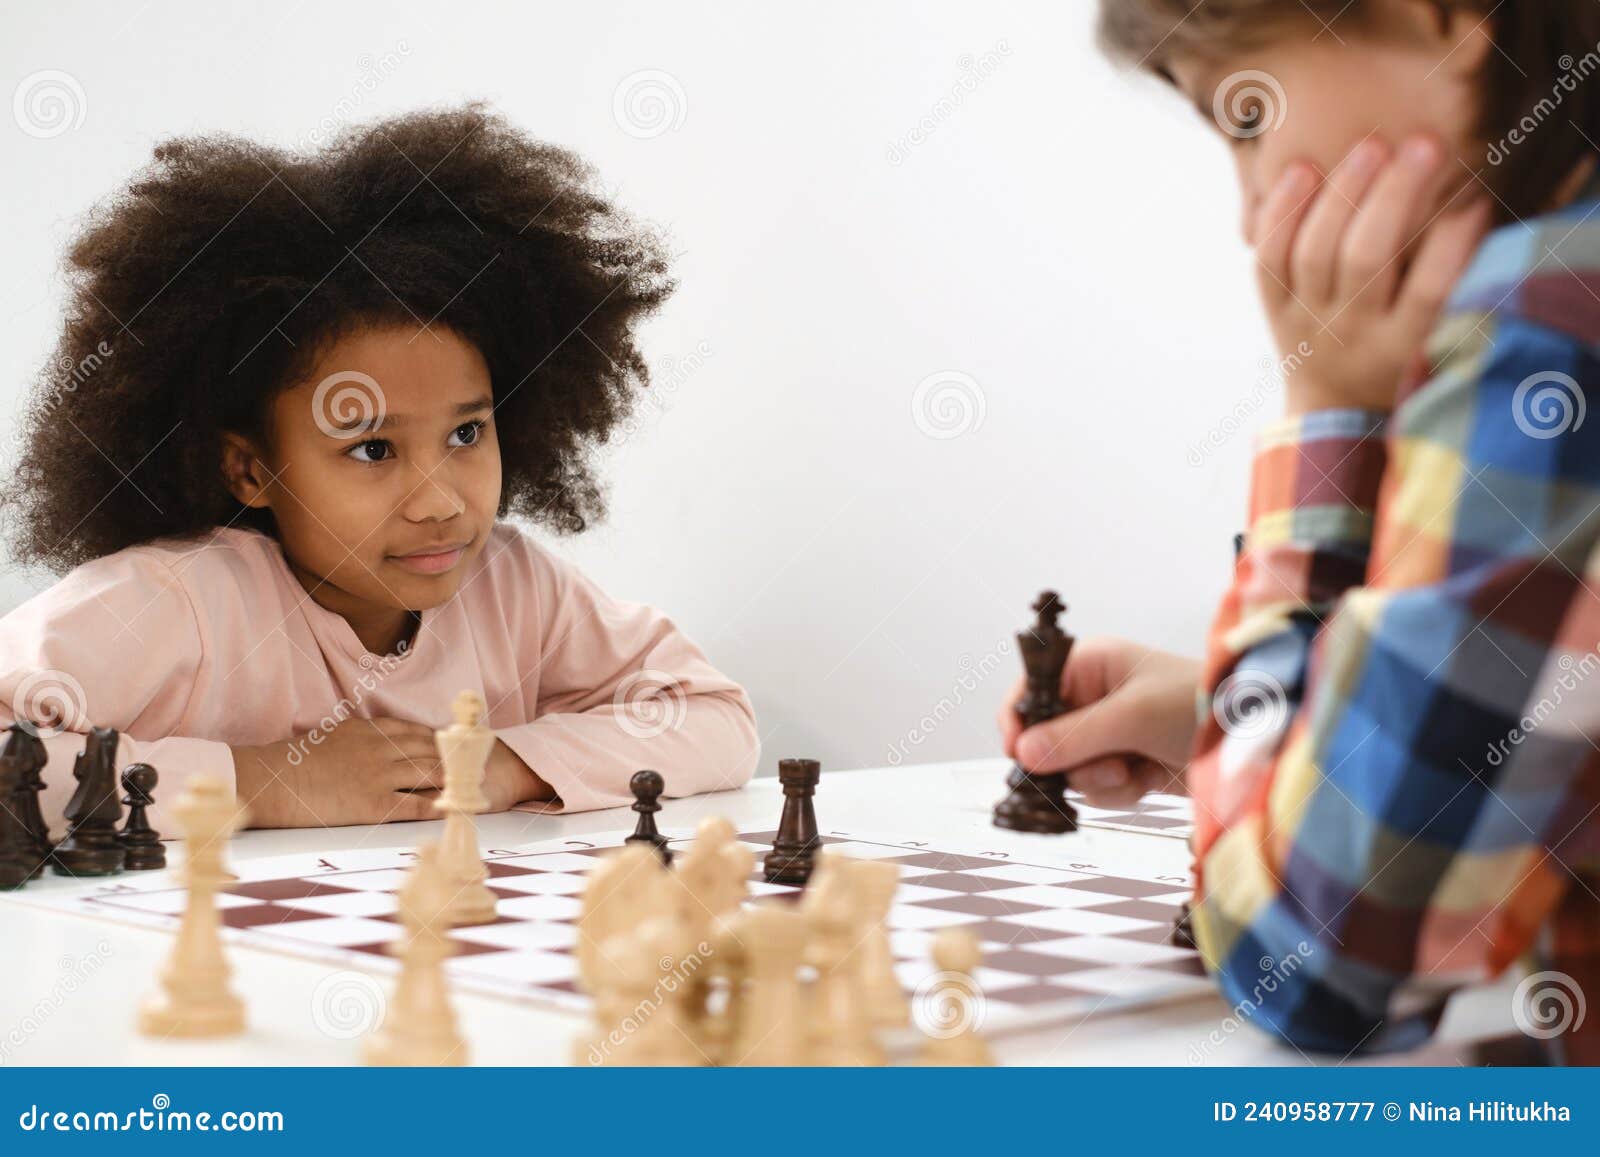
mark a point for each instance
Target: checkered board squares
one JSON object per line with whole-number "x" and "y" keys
{"x": 1155, "y": 814}
{"x": 1057, "y": 940}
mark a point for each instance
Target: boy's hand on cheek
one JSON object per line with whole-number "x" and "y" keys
{"x": 1353, "y": 273}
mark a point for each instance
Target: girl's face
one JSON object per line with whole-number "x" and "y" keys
{"x": 383, "y": 474}
{"x": 1315, "y": 94}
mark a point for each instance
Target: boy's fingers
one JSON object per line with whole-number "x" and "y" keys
{"x": 1006, "y": 718}
{"x": 1276, "y": 225}
{"x": 1153, "y": 776}
{"x": 1314, "y": 262}
{"x": 1369, "y": 260}
{"x": 1444, "y": 256}
{"x": 1102, "y": 728}
{"x": 1101, "y": 775}
{"x": 1108, "y": 784}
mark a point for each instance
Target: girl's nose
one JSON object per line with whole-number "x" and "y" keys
{"x": 432, "y": 499}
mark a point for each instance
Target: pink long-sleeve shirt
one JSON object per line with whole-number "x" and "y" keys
{"x": 189, "y": 646}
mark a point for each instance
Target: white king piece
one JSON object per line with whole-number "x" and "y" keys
{"x": 464, "y": 749}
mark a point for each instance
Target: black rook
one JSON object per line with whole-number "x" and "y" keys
{"x": 794, "y": 848}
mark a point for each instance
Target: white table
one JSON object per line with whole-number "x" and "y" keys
{"x": 58, "y": 1007}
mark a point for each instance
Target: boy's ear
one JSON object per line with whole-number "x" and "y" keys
{"x": 1465, "y": 37}
{"x": 243, "y": 472}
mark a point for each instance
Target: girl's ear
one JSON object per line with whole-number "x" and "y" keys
{"x": 243, "y": 472}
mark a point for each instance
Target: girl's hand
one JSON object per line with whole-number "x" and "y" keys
{"x": 1353, "y": 274}
{"x": 1129, "y": 728}
{"x": 507, "y": 781}
{"x": 364, "y": 771}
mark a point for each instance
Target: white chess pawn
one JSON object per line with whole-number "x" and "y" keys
{"x": 194, "y": 999}
{"x": 628, "y": 886}
{"x": 419, "y": 1027}
{"x": 712, "y": 879}
{"x": 841, "y": 1030}
{"x": 876, "y": 882}
{"x": 714, "y": 874}
{"x": 770, "y": 1024}
{"x": 719, "y": 1006}
{"x": 955, "y": 1004}
{"x": 464, "y": 749}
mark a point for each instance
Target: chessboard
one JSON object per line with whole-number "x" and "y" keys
{"x": 1060, "y": 940}
{"x": 1157, "y": 813}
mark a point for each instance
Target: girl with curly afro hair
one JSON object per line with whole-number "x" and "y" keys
{"x": 298, "y": 398}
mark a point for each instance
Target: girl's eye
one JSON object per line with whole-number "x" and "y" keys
{"x": 377, "y": 448}
{"x": 466, "y": 434}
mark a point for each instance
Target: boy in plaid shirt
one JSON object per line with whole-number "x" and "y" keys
{"x": 1396, "y": 761}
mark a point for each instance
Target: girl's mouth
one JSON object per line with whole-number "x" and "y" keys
{"x": 434, "y": 560}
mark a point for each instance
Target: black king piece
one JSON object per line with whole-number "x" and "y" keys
{"x": 1038, "y": 803}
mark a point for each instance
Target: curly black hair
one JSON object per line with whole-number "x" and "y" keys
{"x": 212, "y": 281}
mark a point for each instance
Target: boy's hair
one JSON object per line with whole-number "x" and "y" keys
{"x": 1549, "y": 51}
{"x": 215, "y": 279}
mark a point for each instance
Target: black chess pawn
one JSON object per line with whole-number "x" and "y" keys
{"x": 647, "y": 787}
{"x": 1038, "y": 802}
{"x": 794, "y": 848}
{"x": 91, "y": 847}
{"x": 140, "y": 842}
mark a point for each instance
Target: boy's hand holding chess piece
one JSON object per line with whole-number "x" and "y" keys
{"x": 1129, "y": 725}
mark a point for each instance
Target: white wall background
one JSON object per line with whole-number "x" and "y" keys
{"x": 1061, "y": 235}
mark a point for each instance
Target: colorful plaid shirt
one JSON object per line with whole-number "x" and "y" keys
{"x": 1397, "y": 780}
